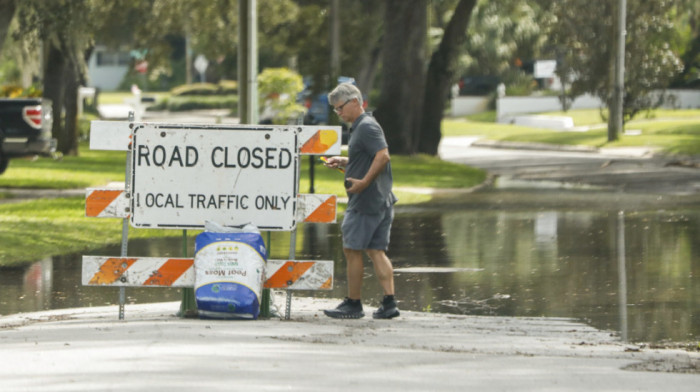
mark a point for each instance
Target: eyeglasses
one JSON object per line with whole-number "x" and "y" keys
{"x": 340, "y": 108}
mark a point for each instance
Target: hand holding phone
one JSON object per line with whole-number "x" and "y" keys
{"x": 325, "y": 162}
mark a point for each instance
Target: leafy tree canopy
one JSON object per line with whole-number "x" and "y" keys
{"x": 585, "y": 37}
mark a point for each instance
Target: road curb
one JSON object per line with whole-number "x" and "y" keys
{"x": 533, "y": 146}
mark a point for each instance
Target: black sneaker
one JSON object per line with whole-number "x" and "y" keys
{"x": 388, "y": 309}
{"x": 348, "y": 309}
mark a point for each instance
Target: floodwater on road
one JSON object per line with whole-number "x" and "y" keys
{"x": 634, "y": 271}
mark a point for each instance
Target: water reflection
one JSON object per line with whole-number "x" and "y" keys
{"x": 55, "y": 283}
{"x": 636, "y": 273}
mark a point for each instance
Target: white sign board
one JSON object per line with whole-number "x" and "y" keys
{"x": 184, "y": 175}
{"x": 544, "y": 69}
{"x": 201, "y": 63}
{"x": 110, "y": 135}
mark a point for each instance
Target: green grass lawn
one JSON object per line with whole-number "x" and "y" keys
{"x": 91, "y": 168}
{"x": 415, "y": 171}
{"x": 32, "y": 230}
{"x": 675, "y": 132}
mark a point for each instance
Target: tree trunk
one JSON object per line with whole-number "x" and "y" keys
{"x": 365, "y": 77}
{"x": 441, "y": 75}
{"x": 70, "y": 130}
{"x": 7, "y": 12}
{"x": 54, "y": 72}
{"x": 400, "y": 103}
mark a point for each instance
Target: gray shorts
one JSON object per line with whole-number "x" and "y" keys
{"x": 367, "y": 231}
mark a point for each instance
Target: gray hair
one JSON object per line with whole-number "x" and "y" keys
{"x": 345, "y": 92}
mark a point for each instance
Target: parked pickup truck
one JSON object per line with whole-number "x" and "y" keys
{"x": 25, "y": 129}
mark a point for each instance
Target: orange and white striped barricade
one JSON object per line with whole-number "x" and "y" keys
{"x": 106, "y": 203}
{"x": 299, "y": 275}
{"x": 179, "y": 272}
{"x": 137, "y": 271}
{"x": 319, "y": 140}
{"x": 316, "y": 208}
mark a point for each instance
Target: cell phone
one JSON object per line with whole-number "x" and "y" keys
{"x": 348, "y": 184}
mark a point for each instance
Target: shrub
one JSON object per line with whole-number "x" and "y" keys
{"x": 520, "y": 84}
{"x": 224, "y": 87}
{"x": 197, "y": 102}
{"x": 11, "y": 91}
{"x": 278, "y": 89}
{"x": 228, "y": 87}
{"x": 195, "y": 89}
{"x": 278, "y": 81}
{"x": 15, "y": 91}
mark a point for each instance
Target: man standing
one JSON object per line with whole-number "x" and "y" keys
{"x": 370, "y": 210}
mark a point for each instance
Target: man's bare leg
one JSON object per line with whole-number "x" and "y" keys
{"x": 351, "y": 308}
{"x": 385, "y": 273}
{"x": 383, "y": 269}
{"x": 355, "y": 270}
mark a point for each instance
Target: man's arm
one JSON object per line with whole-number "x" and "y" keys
{"x": 381, "y": 158}
{"x": 336, "y": 162}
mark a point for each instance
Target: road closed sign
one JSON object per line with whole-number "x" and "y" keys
{"x": 183, "y": 176}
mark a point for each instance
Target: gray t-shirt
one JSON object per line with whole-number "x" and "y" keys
{"x": 366, "y": 139}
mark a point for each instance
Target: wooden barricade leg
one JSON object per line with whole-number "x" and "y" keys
{"x": 188, "y": 305}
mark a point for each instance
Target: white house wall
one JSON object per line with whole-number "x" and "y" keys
{"x": 104, "y": 77}
{"x": 508, "y": 107}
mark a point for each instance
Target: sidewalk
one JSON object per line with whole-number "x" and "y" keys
{"x": 120, "y": 112}
{"x": 90, "y": 349}
{"x": 621, "y": 152}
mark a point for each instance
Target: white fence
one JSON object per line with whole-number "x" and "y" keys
{"x": 508, "y": 107}
{"x": 465, "y": 105}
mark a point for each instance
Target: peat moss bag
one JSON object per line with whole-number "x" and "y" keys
{"x": 229, "y": 270}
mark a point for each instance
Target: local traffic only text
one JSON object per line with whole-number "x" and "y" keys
{"x": 197, "y": 201}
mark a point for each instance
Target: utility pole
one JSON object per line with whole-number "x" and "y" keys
{"x": 335, "y": 57}
{"x": 188, "y": 59}
{"x": 335, "y": 42}
{"x": 615, "y": 126}
{"x": 248, "y": 62}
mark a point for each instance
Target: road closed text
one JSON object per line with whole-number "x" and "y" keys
{"x": 218, "y": 157}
